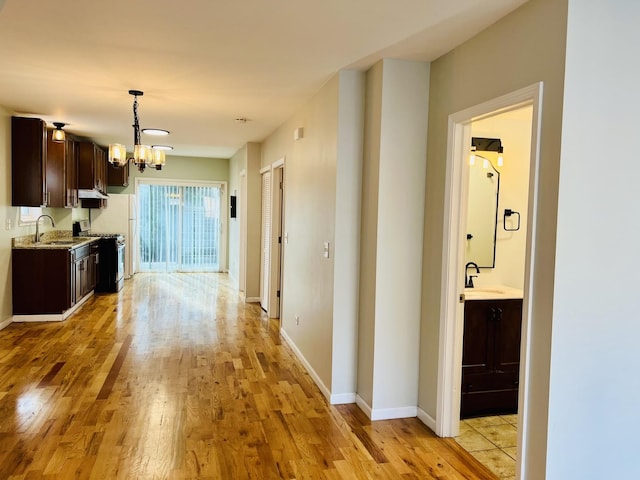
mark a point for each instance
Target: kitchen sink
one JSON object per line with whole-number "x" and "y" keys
{"x": 64, "y": 242}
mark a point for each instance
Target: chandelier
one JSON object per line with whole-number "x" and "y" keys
{"x": 143, "y": 155}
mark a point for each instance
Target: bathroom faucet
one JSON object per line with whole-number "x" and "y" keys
{"x": 36, "y": 238}
{"x": 468, "y": 279}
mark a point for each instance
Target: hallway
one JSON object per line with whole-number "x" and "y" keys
{"x": 173, "y": 377}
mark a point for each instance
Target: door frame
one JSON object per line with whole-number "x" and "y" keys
{"x": 277, "y": 231}
{"x": 276, "y": 243}
{"x": 452, "y": 278}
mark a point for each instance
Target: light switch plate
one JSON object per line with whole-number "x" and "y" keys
{"x": 325, "y": 253}
{"x": 8, "y": 224}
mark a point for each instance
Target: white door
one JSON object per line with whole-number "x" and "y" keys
{"x": 265, "y": 255}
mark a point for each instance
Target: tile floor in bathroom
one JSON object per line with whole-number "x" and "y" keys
{"x": 492, "y": 440}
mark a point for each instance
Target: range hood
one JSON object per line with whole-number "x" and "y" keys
{"x": 90, "y": 193}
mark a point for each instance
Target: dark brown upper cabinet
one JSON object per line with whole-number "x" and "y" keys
{"x": 62, "y": 172}
{"x": 28, "y": 162}
{"x": 118, "y": 176}
{"x": 92, "y": 167}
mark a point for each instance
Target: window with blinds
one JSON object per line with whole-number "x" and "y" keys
{"x": 179, "y": 228}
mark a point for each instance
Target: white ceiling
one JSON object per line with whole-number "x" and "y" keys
{"x": 203, "y": 63}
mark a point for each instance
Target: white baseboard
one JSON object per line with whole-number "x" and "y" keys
{"x": 391, "y": 413}
{"x": 316, "y": 378}
{"x": 52, "y": 317}
{"x": 342, "y": 398}
{"x": 364, "y": 406}
{"x": 427, "y": 419}
{"x": 6, "y": 323}
{"x": 385, "y": 413}
{"x": 252, "y": 299}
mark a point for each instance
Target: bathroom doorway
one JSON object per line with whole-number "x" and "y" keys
{"x": 461, "y": 131}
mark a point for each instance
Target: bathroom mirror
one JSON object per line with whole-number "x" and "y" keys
{"x": 482, "y": 211}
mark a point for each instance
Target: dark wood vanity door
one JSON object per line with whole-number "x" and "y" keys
{"x": 491, "y": 357}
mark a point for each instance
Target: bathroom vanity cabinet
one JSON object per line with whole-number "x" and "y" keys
{"x": 491, "y": 357}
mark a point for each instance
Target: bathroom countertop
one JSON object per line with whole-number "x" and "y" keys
{"x": 492, "y": 292}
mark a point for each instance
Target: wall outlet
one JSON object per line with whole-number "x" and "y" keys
{"x": 297, "y": 319}
{"x": 325, "y": 250}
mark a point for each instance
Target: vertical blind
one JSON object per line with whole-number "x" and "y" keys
{"x": 265, "y": 260}
{"x": 179, "y": 228}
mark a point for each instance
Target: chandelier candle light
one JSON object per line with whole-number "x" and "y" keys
{"x": 143, "y": 155}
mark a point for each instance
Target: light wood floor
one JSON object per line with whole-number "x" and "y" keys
{"x": 175, "y": 378}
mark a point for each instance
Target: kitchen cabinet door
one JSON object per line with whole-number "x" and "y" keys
{"x": 92, "y": 168}
{"x": 62, "y": 183}
{"x": 41, "y": 281}
{"x": 118, "y": 176}
{"x": 28, "y": 162}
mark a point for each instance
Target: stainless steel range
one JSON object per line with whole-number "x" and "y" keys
{"x": 111, "y": 257}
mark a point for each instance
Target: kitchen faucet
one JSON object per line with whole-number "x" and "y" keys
{"x": 468, "y": 279}
{"x": 36, "y": 238}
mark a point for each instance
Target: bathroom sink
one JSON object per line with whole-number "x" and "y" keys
{"x": 485, "y": 290}
{"x": 491, "y": 292}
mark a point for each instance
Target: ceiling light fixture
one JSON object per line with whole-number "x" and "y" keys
{"x": 143, "y": 155}
{"x": 158, "y": 132}
{"x": 58, "y": 134}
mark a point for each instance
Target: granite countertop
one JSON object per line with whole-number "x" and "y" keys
{"x": 54, "y": 239}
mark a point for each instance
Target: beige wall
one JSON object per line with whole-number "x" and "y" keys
{"x": 369, "y": 232}
{"x": 237, "y": 164}
{"x": 595, "y": 313}
{"x": 246, "y": 159}
{"x": 310, "y": 195}
{"x": 254, "y": 202}
{"x": 525, "y": 47}
{"x": 346, "y": 246}
{"x": 395, "y": 157}
{"x": 181, "y": 168}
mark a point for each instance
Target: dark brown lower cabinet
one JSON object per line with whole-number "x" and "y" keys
{"x": 490, "y": 357}
{"x": 84, "y": 262}
{"x": 40, "y": 281}
{"x": 52, "y": 280}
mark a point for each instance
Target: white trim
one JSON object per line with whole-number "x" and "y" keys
{"x": 252, "y": 299}
{"x": 392, "y": 413}
{"x": 4, "y": 324}
{"x": 52, "y": 317}
{"x": 450, "y": 346}
{"x": 342, "y": 398}
{"x": 316, "y": 378}
{"x": 364, "y": 406}
{"x": 264, "y": 170}
{"x": 427, "y": 419}
{"x": 278, "y": 163}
